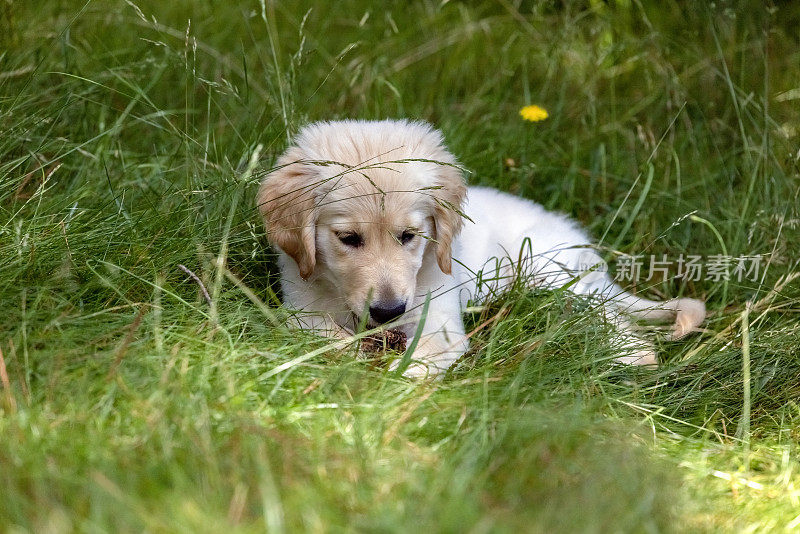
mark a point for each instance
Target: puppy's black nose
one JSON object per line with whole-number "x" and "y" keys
{"x": 385, "y": 312}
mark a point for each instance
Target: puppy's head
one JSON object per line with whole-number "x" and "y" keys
{"x": 363, "y": 205}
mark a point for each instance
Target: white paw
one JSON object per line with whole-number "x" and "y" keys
{"x": 416, "y": 370}
{"x": 639, "y": 357}
{"x": 421, "y": 371}
{"x": 691, "y": 313}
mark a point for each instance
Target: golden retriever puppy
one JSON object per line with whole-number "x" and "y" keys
{"x": 372, "y": 218}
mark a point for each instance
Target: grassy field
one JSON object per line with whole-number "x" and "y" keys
{"x": 129, "y": 404}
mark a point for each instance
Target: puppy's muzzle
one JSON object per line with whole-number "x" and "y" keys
{"x": 383, "y": 312}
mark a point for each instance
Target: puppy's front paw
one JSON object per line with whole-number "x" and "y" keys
{"x": 420, "y": 371}
{"x": 433, "y": 356}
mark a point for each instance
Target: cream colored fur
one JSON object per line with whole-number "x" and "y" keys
{"x": 367, "y": 215}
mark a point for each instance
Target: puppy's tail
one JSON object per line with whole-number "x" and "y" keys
{"x": 687, "y": 313}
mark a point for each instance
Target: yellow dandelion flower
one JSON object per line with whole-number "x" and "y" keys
{"x": 533, "y": 113}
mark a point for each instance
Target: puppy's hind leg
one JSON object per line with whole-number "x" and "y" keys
{"x": 621, "y": 307}
{"x": 686, "y": 313}
{"x": 632, "y": 348}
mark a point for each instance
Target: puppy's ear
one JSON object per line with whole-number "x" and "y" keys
{"x": 286, "y": 201}
{"x": 447, "y": 219}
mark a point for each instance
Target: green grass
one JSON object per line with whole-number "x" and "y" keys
{"x": 129, "y": 404}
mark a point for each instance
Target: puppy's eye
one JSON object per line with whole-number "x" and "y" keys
{"x": 351, "y": 239}
{"x": 407, "y": 236}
